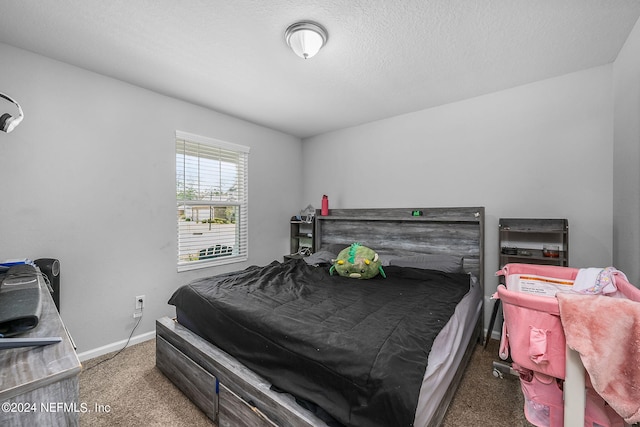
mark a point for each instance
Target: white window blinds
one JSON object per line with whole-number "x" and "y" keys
{"x": 212, "y": 201}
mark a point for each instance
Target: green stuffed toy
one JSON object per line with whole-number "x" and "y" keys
{"x": 358, "y": 262}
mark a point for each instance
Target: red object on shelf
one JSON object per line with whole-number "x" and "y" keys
{"x": 325, "y": 206}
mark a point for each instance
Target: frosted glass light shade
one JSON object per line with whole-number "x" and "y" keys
{"x": 306, "y": 38}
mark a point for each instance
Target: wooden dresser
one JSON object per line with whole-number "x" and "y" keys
{"x": 39, "y": 385}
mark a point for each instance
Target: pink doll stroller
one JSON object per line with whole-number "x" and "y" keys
{"x": 533, "y": 335}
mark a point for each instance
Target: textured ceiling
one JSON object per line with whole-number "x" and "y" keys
{"x": 383, "y": 58}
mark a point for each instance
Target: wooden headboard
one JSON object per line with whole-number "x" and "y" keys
{"x": 453, "y": 231}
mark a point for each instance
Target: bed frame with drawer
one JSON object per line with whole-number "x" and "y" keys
{"x": 232, "y": 395}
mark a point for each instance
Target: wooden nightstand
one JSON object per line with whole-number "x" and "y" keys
{"x": 39, "y": 385}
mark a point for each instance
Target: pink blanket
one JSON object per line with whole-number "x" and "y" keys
{"x": 606, "y": 333}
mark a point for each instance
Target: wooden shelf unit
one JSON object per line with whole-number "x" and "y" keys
{"x": 521, "y": 240}
{"x": 302, "y": 236}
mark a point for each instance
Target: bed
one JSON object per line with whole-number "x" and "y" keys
{"x": 289, "y": 344}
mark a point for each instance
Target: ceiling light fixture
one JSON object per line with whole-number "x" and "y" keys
{"x": 306, "y": 38}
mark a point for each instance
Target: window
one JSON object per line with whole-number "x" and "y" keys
{"x": 211, "y": 200}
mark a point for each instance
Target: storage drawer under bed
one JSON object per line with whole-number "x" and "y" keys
{"x": 196, "y": 383}
{"x": 218, "y": 401}
{"x": 235, "y": 411}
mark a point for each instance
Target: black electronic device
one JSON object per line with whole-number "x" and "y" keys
{"x": 51, "y": 268}
{"x": 7, "y": 343}
{"x": 20, "y": 302}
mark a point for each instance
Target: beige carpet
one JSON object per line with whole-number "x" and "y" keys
{"x": 136, "y": 391}
{"x": 128, "y": 390}
{"x": 484, "y": 400}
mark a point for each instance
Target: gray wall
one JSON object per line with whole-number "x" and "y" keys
{"x": 89, "y": 178}
{"x": 539, "y": 150}
{"x": 626, "y": 158}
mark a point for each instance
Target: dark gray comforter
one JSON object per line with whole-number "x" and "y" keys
{"x": 356, "y": 348}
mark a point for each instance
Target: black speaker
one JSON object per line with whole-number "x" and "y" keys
{"x": 51, "y": 268}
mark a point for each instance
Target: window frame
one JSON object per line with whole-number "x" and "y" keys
{"x": 242, "y": 217}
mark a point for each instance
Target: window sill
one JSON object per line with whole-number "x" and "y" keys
{"x": 196, "y": 265}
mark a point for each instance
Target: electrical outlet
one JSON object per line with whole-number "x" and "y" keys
{"x": 139, "y": 302}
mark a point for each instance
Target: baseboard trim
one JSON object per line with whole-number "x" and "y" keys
{"x": 96, "y": 352}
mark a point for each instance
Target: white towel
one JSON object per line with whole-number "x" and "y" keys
{"x": 596, "y": 280}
